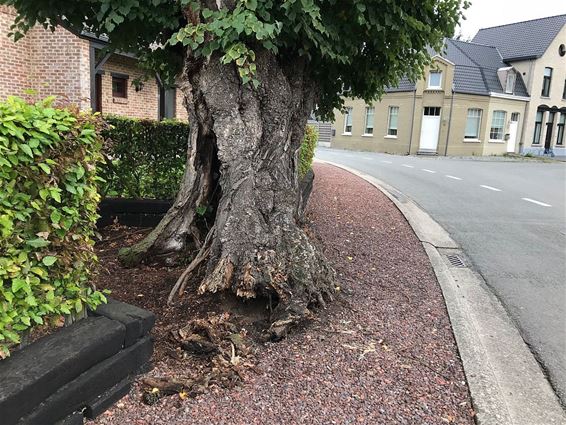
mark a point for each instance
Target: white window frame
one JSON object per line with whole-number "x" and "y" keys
{"x": 366, "y": 128}
{"x": 392, "y": 133}
{"x": 502, "y": 128}
{"x": 548, "y": 71}
{"x": 348, "y": 117}
{"x": 435, "y": 72}
{"x": 477, "y": 117}
{"x": 510, "y": 82}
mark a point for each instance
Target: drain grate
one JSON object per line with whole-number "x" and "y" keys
{"x": 455, "y": 260}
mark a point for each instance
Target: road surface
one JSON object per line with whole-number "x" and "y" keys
{"x": 510, "y": 219}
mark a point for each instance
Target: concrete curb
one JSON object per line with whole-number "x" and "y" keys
{"x": 506, "y": 383}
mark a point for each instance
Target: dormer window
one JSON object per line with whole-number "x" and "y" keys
{"x": 435, "y": 80}
{"x": 510, "y": 82}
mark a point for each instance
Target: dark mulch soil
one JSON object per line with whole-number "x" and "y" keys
{"x": 382, "y": 353}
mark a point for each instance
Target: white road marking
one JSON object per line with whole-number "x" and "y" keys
{"x": 406, "y": 165}
{"x": 387, "y": 162}
{"x": 453, "y": 177}
{"x": 542, "y": 204}
{"x": 428, "y": 171}
{"x": 490, "y": 188}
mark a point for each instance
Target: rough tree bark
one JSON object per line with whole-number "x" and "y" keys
{"x": 242, "y": 164}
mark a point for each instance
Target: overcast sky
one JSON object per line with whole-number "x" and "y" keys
{"x": 489, "y": 13}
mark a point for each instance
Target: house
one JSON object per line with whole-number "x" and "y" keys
{"x": 472, "y": 100}
{"x": 537, "y": 50}
{"x": 77, "y": 68}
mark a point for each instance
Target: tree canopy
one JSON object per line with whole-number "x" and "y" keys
{"x": 359, "y": 45}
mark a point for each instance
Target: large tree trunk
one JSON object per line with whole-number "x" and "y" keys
{"x": 242, "y": 165}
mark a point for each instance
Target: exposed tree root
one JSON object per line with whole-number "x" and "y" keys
{"x": 183, "y": 279}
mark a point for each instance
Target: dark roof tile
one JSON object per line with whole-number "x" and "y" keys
{"x": 521, "y": 40}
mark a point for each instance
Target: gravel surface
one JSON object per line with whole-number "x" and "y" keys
{"x": 382, "y": 353}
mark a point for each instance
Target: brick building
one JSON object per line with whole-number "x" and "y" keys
{"x": 76, "y": 69}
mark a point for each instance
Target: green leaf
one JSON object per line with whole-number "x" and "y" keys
{"x": 55, "y": 216}
{"x": 49, "y": 260}
{"x": 18, "y": 284}
{"x": 27, "y": 150}
{"x": 38, "y": 243}
{"x": 45, "y": 167}
{"x": 55, "y": 195}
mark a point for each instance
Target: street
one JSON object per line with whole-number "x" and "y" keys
{"x": 510, "y": 219}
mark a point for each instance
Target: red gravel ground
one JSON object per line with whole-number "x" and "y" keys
{"x": 382, "y": 353}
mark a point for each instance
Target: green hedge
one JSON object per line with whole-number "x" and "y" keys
{"x": 48, "y": 201}
{"x": 306, "y": 153}
{"x": 146, "y": 158}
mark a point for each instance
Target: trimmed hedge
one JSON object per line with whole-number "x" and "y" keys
{"x": 48, "y": 202}
{"x": 146, "y": 158}
{"x": 306, "y": 152}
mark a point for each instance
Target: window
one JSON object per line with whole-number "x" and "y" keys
{"x": 473, "y": 122}
{"x": 435, "y": 79}
{"x": 538, "y": 128}
{"x": 369, "y": 120}
{"x": 497, "y": 125}
{"x": 560, "y": 129}
{"x": 510, "y": 83}
{"x": 392, "y": 121}
{"x": 546, "y": 82}
{"x": 432, "y": 111}
{"x": 564, "y": 91}
{"x": 348, "y": 121}
{"x": 119, "y": 86}
{"x": 167, "y": 102}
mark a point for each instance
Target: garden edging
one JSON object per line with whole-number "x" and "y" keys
{"x": 505, "y": 380}
{"x": 79, "y": 370}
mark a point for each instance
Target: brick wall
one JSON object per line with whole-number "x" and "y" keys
{"x": 48, "y": 63}
{"x": 180, "y": 110}
{"x": 14, "y": 75}
{"x": 139, "y": 104}
{"x": 59, "y": 64}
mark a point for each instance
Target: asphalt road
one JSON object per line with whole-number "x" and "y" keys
{"x": 510, "y": 219}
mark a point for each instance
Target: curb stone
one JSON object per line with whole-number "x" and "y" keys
{"x": 506, "y": 383}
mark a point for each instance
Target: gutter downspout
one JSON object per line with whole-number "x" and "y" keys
{"x": 449, "y": 122}
{"x": 92, "y": 70}
{"x": 413, "y": 119}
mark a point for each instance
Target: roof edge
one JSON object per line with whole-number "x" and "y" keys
{"x": 521, "y": 22}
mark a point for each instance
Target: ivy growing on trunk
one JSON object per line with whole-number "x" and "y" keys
{"x": 254, "y": 70}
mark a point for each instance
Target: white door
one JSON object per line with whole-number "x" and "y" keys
{"x": 513, "y": 132}
{"x": 430, "y": 129}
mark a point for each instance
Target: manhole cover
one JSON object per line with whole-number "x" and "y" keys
{"x": 455, "y": 260}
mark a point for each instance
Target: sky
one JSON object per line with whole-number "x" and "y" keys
{"x": 489, "y": 13}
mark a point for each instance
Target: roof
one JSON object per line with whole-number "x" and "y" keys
{"x": 404, "y": 85}
{"x": 522, "y": 40}
{"x": 475, "y": 69}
